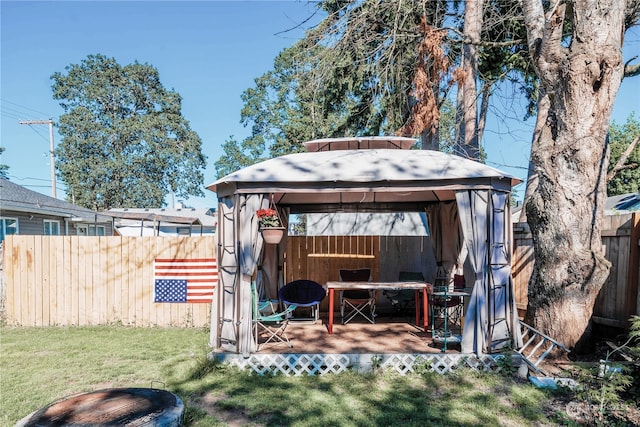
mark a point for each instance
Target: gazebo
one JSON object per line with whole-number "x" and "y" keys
{"x": 466, "y": 201}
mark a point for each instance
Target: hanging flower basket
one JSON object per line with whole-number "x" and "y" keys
{"x": 270, "y": 225}
{"x": 272, "y": 235}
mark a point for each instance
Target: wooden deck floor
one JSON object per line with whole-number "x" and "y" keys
{"x": 390, "y": 335}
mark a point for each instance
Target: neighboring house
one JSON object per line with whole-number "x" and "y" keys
{"x": 623, "y": 203}
{"x": 23, "y": 211}
{"x": 164, "y": 221}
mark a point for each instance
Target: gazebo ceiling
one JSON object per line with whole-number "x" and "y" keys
{"x": 362, "y": 180}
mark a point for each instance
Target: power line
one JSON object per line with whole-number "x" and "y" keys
{"x": 37, "y": 132}
{"x": 51, "y": 148}
{"x": 40, "y": 113}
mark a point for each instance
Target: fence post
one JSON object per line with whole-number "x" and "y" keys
{"x": 633, "y": 296}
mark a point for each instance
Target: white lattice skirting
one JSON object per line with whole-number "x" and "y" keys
{"x": 292, "y": 364}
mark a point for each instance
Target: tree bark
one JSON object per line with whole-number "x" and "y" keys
{"x": 581, "y": 77}
{"x": 467, "y": 144}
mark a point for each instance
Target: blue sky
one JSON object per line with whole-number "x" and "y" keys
{"x": 207, "y": 51}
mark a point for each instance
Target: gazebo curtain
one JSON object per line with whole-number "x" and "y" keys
{"x": 444, "y": 229}
{"x": 472, "y": 206}
{"x": 491, "y": 320}
{"x": 505, "y": 330}
{"x": 240, "y": 248}
{"x": 234, "y": 304}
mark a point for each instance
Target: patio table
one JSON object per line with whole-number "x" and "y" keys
{"x": 420, "y": 287}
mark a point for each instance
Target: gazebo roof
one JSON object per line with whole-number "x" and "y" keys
{"x": 362, "y": 179}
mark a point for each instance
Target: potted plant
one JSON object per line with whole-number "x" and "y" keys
{"x": 270, "y": 225}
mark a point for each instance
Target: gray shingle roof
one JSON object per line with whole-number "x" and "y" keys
{"x": 14, "y": 197}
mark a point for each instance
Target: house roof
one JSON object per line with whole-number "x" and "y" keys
{"x": 14, "y": 197}
{"x": 376, "y": 179}
{"x": 193, "y": 216}
{"x": 623, "y": 203}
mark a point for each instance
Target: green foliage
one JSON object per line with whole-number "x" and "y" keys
{"x": 4, "y": 169}
{"x": 346, "y": 77}
{"x": 353, "y": 73}
{"x": 506, "y": 365}
{"x": 124, "y": 141}
{"x": 626, "y": 180}
{"x": 509, "y": 61}
{"x": 607, "y": 386}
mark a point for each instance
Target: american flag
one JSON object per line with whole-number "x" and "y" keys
{"x": 185, "y": 280}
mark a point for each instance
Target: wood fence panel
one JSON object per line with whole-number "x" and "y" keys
{"x": 319, "y": 258}
{"x": 522, "y": 264}
{"x": 39, "y": 286}
{"x": 65, "y": 281}
{"x": 165, "y": 313}
{"x": 296, "y": 250}
{"x": 55, "y": 291}
{"x": 99, "y": 280}
{"x": 26, "y": 277}
{"x": 85, "y": 253}
{"x": 611, "y": 305}
{"x": 633, "y": 294}
{"x": 77, "y": 280}
{"x": 406, "y": 253}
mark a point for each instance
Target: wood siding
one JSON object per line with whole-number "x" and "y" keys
{"x": 33, "y": 223}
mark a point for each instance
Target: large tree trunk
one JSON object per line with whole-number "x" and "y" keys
{"x": 468, "y": 144}
{"x": 570, "y": 157}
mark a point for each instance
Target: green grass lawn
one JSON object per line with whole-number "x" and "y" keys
{"x": 41, "y": 365}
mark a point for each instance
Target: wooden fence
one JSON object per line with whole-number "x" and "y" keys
{"x": 77, "y": 280}
{"x": 619, "y": 298}
{"x": 320, "y": 258}
{"x": 72, "y": 280}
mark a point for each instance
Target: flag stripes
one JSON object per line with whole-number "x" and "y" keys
{"x": 185, "y": 280}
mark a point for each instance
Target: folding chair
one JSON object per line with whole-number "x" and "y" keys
{"x": 355, "y": 302}
{"x": 268, "y": 321}
{"x": 403, "y": 300}
{"x": 303, "y": 294}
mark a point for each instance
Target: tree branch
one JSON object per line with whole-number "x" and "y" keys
{"x": 467, "y": 40}
{"x": 620, "y": 164}
{"x": 631, "y": 70}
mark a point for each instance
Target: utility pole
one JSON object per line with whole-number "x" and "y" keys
{"x": 53, "y": 166}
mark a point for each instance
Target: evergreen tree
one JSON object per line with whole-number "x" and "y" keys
{"x": 624, "y": 165}
{"x": 4, "y": 169}
{"x": 124, "y": 141}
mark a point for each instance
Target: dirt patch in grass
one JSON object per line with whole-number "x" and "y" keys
{"x": 209, "y": 404}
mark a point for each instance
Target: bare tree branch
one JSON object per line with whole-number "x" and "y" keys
{"x": 631, "y": 70}
{"x": 620, "y": 164}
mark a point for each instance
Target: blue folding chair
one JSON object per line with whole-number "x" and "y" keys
{"x": 303, "y": 294}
